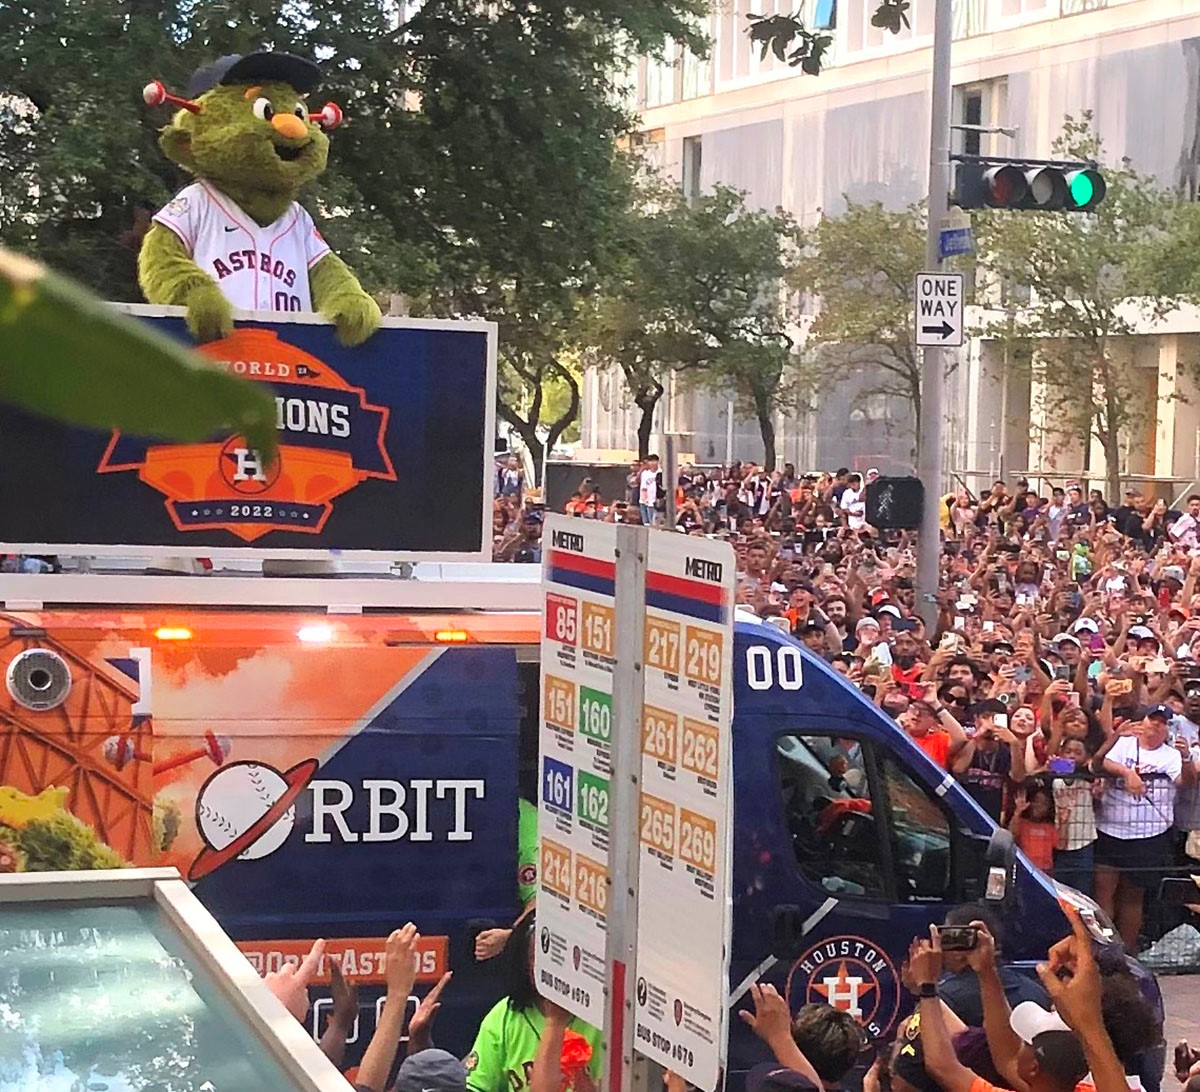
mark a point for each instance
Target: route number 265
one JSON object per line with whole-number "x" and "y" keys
{"x": 767, "y": 667}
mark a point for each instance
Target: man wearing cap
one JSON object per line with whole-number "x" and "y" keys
{"x": 1134, "y": 817}
{"x": 1185, "y": 531}
{"x": 933, "y": 728}
{"x": 1042, "y": 1053}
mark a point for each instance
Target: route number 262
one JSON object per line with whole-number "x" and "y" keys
{"x": 767, "y": 667}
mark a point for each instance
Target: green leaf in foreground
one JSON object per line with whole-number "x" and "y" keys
{"x": 66, "y": 355}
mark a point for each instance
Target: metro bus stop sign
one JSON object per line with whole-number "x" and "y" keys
{"x": 938, "y": 310}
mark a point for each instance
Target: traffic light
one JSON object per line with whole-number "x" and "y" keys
{"x": 1027, "y": 184}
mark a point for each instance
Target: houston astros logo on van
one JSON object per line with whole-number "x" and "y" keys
{"x": 850, "y": 973}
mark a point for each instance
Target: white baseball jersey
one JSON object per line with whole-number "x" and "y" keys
{"x": 257, "y": 268}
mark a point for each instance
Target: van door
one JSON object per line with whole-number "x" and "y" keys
{"x": 843, "y": 852}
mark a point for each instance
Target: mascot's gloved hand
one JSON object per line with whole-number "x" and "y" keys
{"x": 356, "y": 314}
{"x": 209, "y": 313}
{"x": 340, "y": 298}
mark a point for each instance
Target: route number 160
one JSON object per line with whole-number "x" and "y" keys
{"x": 766, "y": 668}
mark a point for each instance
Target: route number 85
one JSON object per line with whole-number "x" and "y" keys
{"x": 767, "y": 667}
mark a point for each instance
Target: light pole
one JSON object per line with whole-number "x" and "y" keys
{"x": 933, "y": 417}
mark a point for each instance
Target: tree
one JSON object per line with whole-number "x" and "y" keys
{"x": 475, "y": 170}
{"x": 696, "y": 292}
{"x": 861, "y": 265}
{"x": 1092, "y": 282}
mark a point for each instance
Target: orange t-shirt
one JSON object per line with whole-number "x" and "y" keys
{"x": 980, "y": 1085}
{"x": 936, "y": 745}
{"x": 1037, "y": 842}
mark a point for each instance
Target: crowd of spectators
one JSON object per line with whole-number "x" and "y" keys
{"x": 1059, "y": 683}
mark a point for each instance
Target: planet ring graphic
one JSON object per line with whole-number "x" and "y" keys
{"x": 210, "y": 859}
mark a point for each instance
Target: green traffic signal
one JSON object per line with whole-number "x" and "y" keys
{"x": 1086, "y": 188}
{"x": 1082, "y": 189}
{"x": 1022, "y": 185}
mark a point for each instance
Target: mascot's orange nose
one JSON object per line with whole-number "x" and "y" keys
{"x": 290, "y": 126}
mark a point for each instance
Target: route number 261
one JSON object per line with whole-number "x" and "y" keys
{"x": 767, "y": 667}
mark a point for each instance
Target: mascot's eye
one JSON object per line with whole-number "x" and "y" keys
{"x": 300, "y": 112}
{"x": 263, "y": 110}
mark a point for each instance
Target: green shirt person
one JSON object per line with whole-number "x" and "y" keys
{"x": 506, "y": 1044}
{"x": 507, "y": 1041}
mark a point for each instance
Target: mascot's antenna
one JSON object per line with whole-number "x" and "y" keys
{"x": 154, "y": 94}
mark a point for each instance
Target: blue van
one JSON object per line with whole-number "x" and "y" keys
{"x": 336, "y": 776}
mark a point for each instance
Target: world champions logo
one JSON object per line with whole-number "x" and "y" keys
{"x": 331, "y": 439}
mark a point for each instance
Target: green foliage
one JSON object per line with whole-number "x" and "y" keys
{"x": 66, "y": 355}
{"x": 166, "y": 823}
{"x": 1094, "y": 278}
{"x": 695, "y": 290}
{"x": 789, "y": 40}
{"x": 64, "y": 843}
{"x": 862, "y": 264}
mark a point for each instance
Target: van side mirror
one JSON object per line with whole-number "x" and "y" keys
{"x": 1000, "y": 864}
{"x": 787, "y": 931}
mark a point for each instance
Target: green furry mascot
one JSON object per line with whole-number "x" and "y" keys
{"x": 237, "y": 236}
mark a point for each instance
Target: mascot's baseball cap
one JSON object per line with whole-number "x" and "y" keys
{"x": 264, "y": 67}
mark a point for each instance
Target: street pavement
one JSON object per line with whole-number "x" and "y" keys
{"x": 1181, "y": 998}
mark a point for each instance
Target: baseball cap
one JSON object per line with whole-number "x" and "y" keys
{"x": 1090, "y": 624}
{"x": 1055, "y": 1045}
{"x": 1164, "y": 711}
{"x": 1142, "y": 633}
{"x": 1060, "y": 637}
{"x": 772, "y": 1077}
{"x": 864, "y": 622}
{"x": 1173, "y": 572}
{"x": 888, "y": 608}
{"x": 264, "y": 67}
{"x": 431, "y": 1070}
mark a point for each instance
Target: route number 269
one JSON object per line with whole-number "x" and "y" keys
{"x": 767, "y": 667}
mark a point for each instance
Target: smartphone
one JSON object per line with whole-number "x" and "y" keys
{"x": 1000, "y": 720}
{"x": 989, "y": 626}
{"x": 1096, "y": 644}
{"x": 960, "y": 622}
{"x": 1063, "y": 555}
{"x": 948, "y": 642}
{"x": 1023, "y": 673}
{"x": 1073, "y": 698}
{"x": 958, "y": 938}
{"x": 883, "y": 653}
{"x": 1062, "y": 671}
{"x": 1119, "y": 686}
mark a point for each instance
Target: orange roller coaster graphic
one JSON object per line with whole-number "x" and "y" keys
{"x": 65, "y": 748}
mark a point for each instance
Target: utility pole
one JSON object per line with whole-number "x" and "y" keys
{"x": 933, "y": 369}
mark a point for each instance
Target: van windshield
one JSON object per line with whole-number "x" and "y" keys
{"x": 832, "y": 788}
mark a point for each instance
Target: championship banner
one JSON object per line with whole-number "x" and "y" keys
{"x": 385, "y": 451}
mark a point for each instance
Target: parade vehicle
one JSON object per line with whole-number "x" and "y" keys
{"x": 333, "y": 758}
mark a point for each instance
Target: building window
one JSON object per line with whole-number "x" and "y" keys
{"x": 691, "y": 167}
{"x": 984, "y": 106}
{"x": 825, "y": 15}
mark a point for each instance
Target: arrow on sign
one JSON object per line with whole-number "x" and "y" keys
{"x": 945, "y": 330}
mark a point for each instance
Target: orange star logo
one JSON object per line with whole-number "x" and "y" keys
{"x": 844, "y": 991}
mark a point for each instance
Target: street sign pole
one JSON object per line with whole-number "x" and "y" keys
{"x": 929, "y": 455}
{"x": 624, "y": 1070}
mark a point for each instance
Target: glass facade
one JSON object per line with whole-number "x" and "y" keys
{"x": 108, "y": 998}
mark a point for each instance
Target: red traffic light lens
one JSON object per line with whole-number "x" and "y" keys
{"x": 1006, "y": 186}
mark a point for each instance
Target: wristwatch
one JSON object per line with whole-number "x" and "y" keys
{"x": 927, "y": 989}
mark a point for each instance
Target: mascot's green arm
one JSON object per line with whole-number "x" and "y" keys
{"x": 337, "y": 294}
{"x": 168, "y": 275}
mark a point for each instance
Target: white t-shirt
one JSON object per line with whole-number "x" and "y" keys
{"x": 256, "y": 268}
{"x": 648, "y": 487}
{"x": 1184, "y": 530}
{"x": 854, "y": 508}
{"x": 1123, "y": 815}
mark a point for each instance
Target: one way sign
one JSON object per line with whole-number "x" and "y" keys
{"x": 939, "y": 309}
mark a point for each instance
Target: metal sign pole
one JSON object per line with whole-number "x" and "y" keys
{"x": 623, "y": 847}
